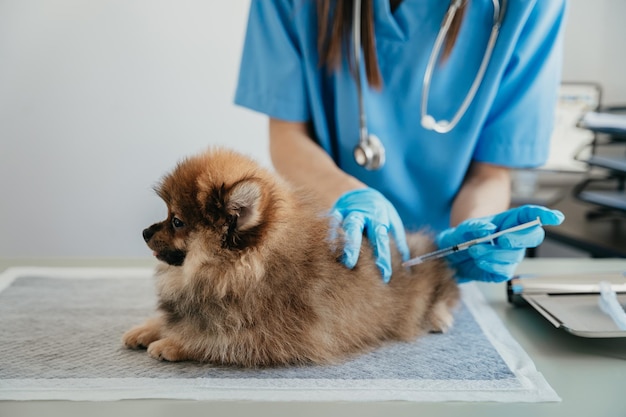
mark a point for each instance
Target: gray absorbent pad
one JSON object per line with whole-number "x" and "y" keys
{"x": 61, "y": 329}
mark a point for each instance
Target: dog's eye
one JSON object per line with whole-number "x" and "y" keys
{"x": 177, "y": 223}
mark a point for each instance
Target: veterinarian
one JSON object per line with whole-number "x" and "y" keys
{"x": 446, "y": 99}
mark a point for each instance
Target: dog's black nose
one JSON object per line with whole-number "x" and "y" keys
{"x": 147, "y": 234}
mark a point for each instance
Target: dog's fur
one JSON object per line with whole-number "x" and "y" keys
{"x": 248, "y": 276}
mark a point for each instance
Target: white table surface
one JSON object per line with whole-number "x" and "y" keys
{"x": 588, "y": 374}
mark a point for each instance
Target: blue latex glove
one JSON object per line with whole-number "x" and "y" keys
{"x": 368, "y": 210}
{"x": 498, "y": 261}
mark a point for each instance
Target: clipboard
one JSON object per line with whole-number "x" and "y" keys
{"x": 571, "y": 302}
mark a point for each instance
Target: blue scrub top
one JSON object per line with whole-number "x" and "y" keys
{"x": 509, "y": 122}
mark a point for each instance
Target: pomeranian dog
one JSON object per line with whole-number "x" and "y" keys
{"x": 248, "y": 276}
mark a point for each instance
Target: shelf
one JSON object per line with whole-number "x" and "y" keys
{"x": 611, "y": 199}
{"x": 615, "y": 163}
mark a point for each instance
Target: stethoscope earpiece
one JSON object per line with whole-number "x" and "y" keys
{"x": 429, "y": 123}
{"x": 370, "y": 153}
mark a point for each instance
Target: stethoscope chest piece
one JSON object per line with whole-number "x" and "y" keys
{"x": 370, "y": 153}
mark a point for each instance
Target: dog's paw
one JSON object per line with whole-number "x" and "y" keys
{"x": 441, "y": 319}
{"x": 142, "y": 336}
{"x": 166, "y": 350}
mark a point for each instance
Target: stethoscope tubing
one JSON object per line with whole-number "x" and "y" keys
{"x": 444, "y": 126}
{"x": 427, "y": 121}
{"x": 356, "y": 43}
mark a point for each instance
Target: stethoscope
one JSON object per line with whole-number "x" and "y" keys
{"x": 370, "y": 152}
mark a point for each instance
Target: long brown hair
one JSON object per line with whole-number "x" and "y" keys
{"x": 334, "y": 36}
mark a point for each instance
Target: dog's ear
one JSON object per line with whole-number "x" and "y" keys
{"x": 243, "y": 201}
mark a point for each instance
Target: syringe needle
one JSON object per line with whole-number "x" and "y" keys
{"x": 465, "y": 245}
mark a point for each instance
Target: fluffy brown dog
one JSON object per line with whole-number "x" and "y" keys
{"x": 248, "y": 277}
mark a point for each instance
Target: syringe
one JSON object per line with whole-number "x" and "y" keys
{"x": 465, "y": 245}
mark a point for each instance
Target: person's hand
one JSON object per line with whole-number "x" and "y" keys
{"x": 498, "y": 260}
{"x": 368, "y": 210}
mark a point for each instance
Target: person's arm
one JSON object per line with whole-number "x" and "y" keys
{"x": 356, "y": 207}
{"x": 485, "y": 191}
{"x": 477, "y": 211}
{"x": 300, "y": 160}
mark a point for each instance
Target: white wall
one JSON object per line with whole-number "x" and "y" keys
{"x": 99, "y": 98}
{"x": 595, "y": 46}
